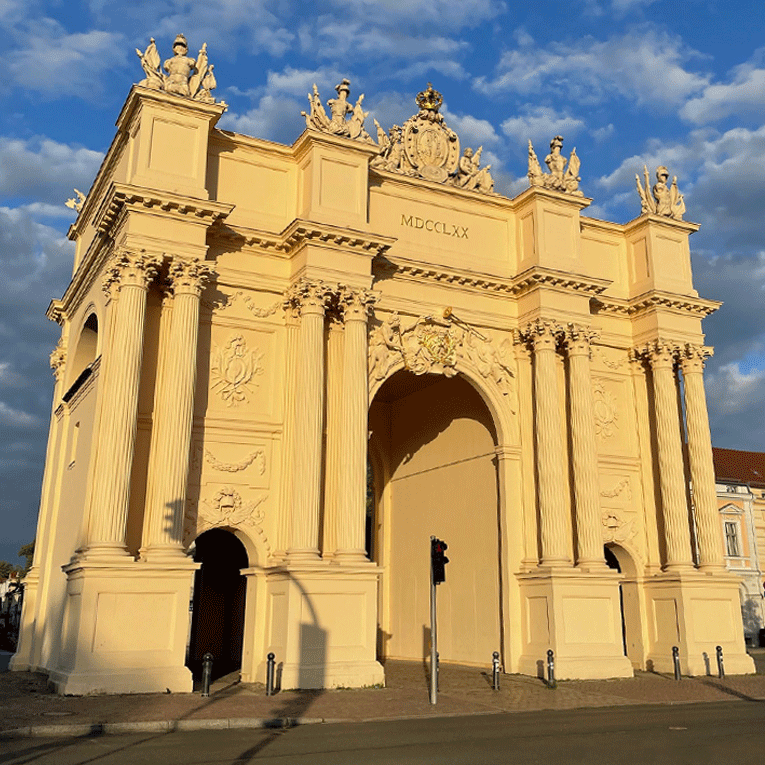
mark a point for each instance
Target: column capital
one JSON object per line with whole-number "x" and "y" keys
{"x": 660, "y": 354}
{"x": 578, "y": 339}
{"x": 58, "y": 359}
{"x": 129, "y": 268}
{"x": 355, "y": 304}
{"x": 693, "y": 357}
{"x": 543, "y": 334}
{"x": 189, "y": 275}
{"x": 309, "y": 296}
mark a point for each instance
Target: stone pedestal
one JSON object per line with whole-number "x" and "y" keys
{"x": 323, "y": 627}
{"x": 577, "y": 615}
{"x": 125, "y": 628}
{"x": 695, "y": 612}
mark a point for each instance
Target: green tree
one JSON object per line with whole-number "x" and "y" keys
{"x": 28, "y": 551}
{"x": 5, "y": 569}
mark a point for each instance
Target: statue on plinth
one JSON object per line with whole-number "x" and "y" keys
{"x": 666, "y": 200}
{"x": 559, "y": 178}
{"x": 180, "y": 75}
{"x": 339, "y": 108}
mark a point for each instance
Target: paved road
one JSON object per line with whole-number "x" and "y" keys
{"x": 691, "y": 734}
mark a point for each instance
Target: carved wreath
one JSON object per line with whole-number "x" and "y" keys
{"x": 605, "y": 411}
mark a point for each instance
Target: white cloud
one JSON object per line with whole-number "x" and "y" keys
{"x": 540, "y": 124}
{"x": 58, "y": 64}
{"x": 275, "y": 118}
{"x": 471, "y": 130}
{"x": 741, "y": 97}
{"x": 646, "y": 65}
{"x": 15, "y": 417}
{"x": 45, "y": 169}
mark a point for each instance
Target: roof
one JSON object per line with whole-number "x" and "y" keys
{"x": 739, "y": 467}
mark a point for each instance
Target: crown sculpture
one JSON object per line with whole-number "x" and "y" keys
{"x": 666, "y": 200}
{"x": 181, "y": 74}
{"x": 423, "y": 147}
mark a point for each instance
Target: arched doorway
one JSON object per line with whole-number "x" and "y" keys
{"x": 217, "y": 623}
{"x": 434, "y": 441}
{"x": 630, "y": 598}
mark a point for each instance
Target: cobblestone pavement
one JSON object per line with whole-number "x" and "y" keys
{"x": 27, "y": 707}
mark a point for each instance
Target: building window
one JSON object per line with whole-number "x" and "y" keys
{"x": 731, "y": 539}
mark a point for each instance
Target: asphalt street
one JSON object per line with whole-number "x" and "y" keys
{"x": 688, "y": 734}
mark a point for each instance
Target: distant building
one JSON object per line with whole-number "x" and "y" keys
{"x": 740, "y": 480}
{"x": 10, "y": 610}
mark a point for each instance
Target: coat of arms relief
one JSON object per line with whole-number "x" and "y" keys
{"x": 436, "y": 345}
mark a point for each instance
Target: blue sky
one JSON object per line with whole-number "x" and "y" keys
{"x": 627, "y": 82}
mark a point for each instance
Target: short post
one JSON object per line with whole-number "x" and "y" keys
{"x": 720, "y": 665}
{"x": 551, "y": 668}
{"x": 495, "y": 670}
{"x": 207, "y": 662}
{"x": 676, "y": 661}
{"x": 270, "y": 668}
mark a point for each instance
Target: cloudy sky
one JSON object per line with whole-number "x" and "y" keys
{"x": 627, "y": 82}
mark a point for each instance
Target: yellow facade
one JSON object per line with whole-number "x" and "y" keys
{"x": 252, "y": 327}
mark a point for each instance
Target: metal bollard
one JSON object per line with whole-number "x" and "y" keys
{"x": 551, "y": 669}
{"x": 438, "y": 668}
{"x": 207, "y": 662}
{"x": 720, "y": 665}
{"x": 270, "y": 669}
{"x": 495, "y": 670}
{"x": 676, "y": 661}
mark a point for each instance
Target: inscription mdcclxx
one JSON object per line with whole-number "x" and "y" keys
{"x": 437, "y": 226}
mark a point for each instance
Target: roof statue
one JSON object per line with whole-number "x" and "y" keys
{"x": 666, "y": 200}
{"x": 181, "y": 74}
{"x": 559, "y": 178}
{"x": 77, "y": 201}
{"x": 425, "y": 147}
{"x": 340, "y": 107}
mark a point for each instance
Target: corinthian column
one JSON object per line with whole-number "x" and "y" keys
{"x": 354, "y": 427}
{"x": 173, "y": 412}
{"x": 126, "y": 282}
{"x": 549, "y": 433}
{"x": 312, "y": 297}
{"x": 661, "y": 356}
{"x": 700, "y": 458}
{"x": 584, "y": 451}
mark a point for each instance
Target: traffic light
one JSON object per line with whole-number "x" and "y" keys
{"x": 438, "y": 560}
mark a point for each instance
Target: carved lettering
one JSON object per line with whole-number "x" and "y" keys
{"x": 435, "y": 226}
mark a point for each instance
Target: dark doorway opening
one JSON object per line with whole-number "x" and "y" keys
{"x": 613, "y": 563}
{"x": 217, "y": 623}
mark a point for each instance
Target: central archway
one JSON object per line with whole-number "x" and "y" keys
{"x": 432, "y": 450}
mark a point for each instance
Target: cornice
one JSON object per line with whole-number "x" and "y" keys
{"x": 122, "y": 198}
{"x": 660, "y": 220}
{"x": 657, "y": 299}
{"x": 537, "y": 276}
{"x": 302, "y": 232}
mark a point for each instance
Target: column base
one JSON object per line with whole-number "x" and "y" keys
{"x": 125, "y": 628}
{"x": 577, "y": 614}
{"x": 323, "y": 627}
{"x": 696, "y": 612}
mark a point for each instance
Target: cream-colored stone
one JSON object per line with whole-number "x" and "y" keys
{"x": 505, "y": 369}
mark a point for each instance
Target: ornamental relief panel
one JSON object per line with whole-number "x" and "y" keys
{"x": 619, "y": 516}
{"x": 438, "y": 345}
{"x": 243, "y": 464}
{"x": 613, "y": 413}
{"x": 238, "y": 377}
{"x": 226, "y": 508}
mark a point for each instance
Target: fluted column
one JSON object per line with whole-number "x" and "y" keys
{"x": 173, "y": 413}
{"x": 661, "y": 356}
{"x": 584, "y": 451}
{"x": 312, "y": 297}
{"x": 549, "y": 437}
{"x": 334, "y": 465}
{"x": 355, "y": 304}
{"x": 700, "y": 458}
{"x": 127, "y": 281}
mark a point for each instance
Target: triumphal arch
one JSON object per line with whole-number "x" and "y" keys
{"x": 282, "y": 368}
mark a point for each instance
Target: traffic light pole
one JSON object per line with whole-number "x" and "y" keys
{"x": 433, "y": 640}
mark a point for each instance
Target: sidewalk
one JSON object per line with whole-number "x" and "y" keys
{"x": 28, "y": 708}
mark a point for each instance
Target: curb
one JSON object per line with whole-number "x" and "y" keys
{"x": 82, "y": 730}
